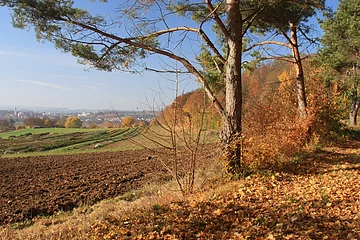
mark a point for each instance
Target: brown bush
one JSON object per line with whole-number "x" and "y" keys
{"x": 272, "y": 133}
{"x": 273, "y": 130}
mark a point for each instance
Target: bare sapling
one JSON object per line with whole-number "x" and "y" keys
{"x": 176, "y": 134}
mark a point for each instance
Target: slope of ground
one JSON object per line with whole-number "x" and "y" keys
{"x": 43, "y": 185}
{"x": 63, "y": 141}
{"x": 316, "y": 197}
{"x": 35, "y": 131}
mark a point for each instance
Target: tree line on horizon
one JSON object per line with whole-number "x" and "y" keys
{"x": 66, "y": 122}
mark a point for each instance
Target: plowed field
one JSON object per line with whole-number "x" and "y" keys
{"x": 43, "y": 185}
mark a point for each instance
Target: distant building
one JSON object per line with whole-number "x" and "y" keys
{"x": 83, "y": 114}
{"x": 21, "y": 115}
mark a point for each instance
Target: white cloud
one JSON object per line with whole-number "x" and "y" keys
{"x": 71, "y": 77}
{"x": 57, "y": 58}
{"x": 89, "y": 87}
{"x": 101, "y": 84}
{"x": 15, "y": 54}
{"x": 44, "y": 84}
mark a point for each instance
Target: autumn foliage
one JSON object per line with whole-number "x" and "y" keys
{"x": 192, "y": 109}
{"x": 273, "y": 129}
{"x": 73, "y": 122}
{"x": 128, "y": 121}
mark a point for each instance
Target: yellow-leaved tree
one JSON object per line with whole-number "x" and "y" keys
{"x": 128, "y": 121}
{"x": 73, "y": 122}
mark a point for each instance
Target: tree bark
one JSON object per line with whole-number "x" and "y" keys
{"x": 354, "y": 108}
{"x": 300, "y": 80}
{"x": 232, "y": 128}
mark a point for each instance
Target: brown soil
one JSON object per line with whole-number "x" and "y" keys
{"x": 34, "y": 186}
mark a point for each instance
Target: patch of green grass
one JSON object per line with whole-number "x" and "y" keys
{"x": 39, "y": 142}
{"x": 130, "y": 196}
{"x": 62, "y": 141}
{"x": 91, "y": 143}
{"x": 111, "y": 140}
{"x": 69, "y": 152}
{"x": 158, "y": 207}
{"x": 47, "y": 130}
{"x": 21, "y": 225}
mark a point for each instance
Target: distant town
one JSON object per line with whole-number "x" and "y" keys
{"x": 18, "y": 118}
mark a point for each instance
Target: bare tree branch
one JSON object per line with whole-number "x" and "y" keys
{"x": 107, "y": 52}
{"x": 208, "y": 41}
{"x": 218, "y": 20}
{"x": 164, "y": 71}
{"x": 312, "y": 41}
{"x": 211, "y": 46}
{"x": 287, "y": 37}
{"x": 162, "y": 32}
{"x": 268, "y": 43}
{"x": 250, "y": 19}
{"x": 286, "y": 59}
{"x": 131, "y": 42}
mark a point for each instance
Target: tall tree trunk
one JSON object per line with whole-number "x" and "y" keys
{"x": 300, "y": 81}
{"x": 232, "y": 128}
{"x": 354, "y": 108}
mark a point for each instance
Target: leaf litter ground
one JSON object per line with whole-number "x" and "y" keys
{"x": 316, "y": 198}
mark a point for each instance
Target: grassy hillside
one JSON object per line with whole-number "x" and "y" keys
{"x": 47, "y": 130}
{"x": 58, "y": 141}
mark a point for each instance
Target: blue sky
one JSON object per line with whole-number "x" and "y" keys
{"x": 34, "y": 74}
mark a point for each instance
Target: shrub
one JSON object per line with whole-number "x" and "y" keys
{"x": 272, "y": 129}
{"x": 73, "y": 122}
